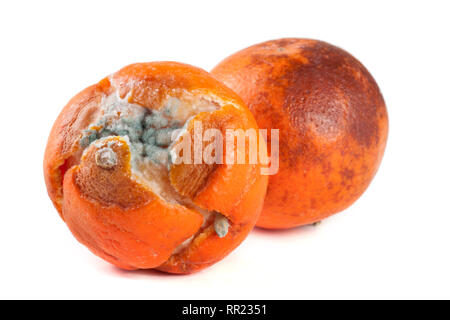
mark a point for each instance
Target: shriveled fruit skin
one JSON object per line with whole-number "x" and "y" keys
{"x": 117, "y": 216}
{"x": 332, "y": 118}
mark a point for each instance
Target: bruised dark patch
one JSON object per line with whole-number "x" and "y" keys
{"x": 332, "y": 92}
{"x": 263, "y": 105}
{"x": 347, "y": 174}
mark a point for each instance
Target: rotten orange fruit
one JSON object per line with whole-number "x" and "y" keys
{"x": 332, "y": 119}
{"x": 111, "y": 171}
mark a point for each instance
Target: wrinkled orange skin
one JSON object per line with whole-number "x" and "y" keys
{"x": 332, "y": 119}
{"x": 136, "y": 229}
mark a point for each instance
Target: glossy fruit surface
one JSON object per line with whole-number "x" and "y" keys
{"x": 109, "y": 171}
{"x": 332, "y": 119}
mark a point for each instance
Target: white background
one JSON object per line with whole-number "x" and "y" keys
{"x": 392, "y": 243}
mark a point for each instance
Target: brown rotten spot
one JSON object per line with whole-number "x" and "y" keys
{"x": 332, "y": 119}
{"x": 109, "y": 172}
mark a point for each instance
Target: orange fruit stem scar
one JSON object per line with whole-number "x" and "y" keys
{"x": 106, "y": 158}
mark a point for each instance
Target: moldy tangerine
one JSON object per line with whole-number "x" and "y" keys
{"x": 332, "y": 119}
{"x": 109, "y": 173}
